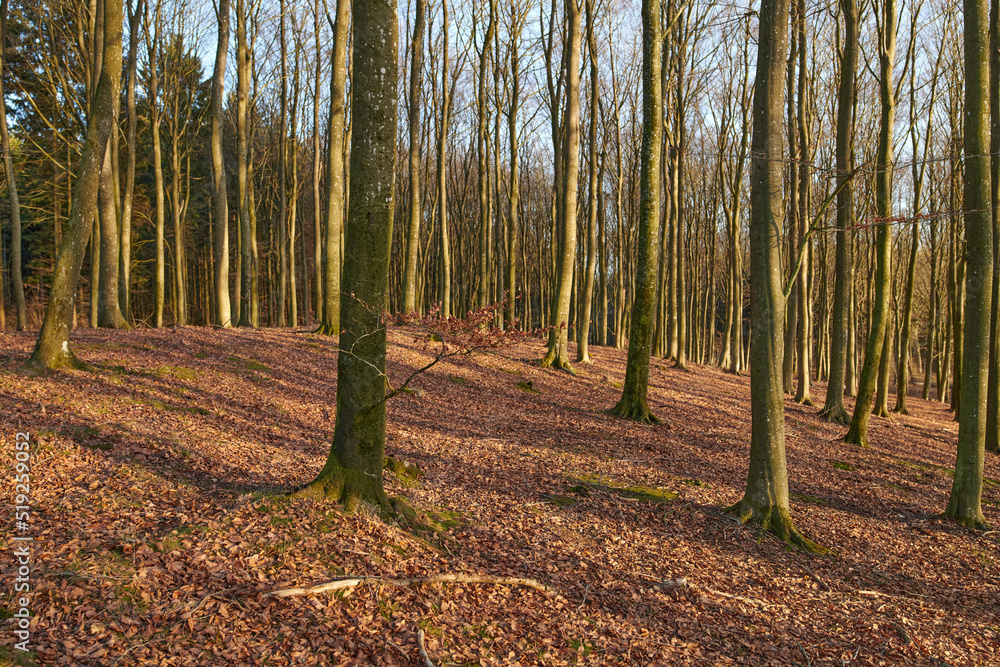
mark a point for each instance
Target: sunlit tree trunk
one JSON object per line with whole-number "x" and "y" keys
{"x": 52, "y": 347}
{"x": 220, "y": 206}
{"x": 858, "y": 433}
{"x": 766, "y": 500}
{"x": 965, "y": 503}
{"x": 558, "y": 351}
{"x": 353, "y": 471}
{"x": 412, "y": 244}
{"x": 633, "y": 403}
{"x": 583, "y": 326}
{"x": 340, "y": 25}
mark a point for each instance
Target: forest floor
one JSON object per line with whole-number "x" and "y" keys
{"x": 159, "y": 520}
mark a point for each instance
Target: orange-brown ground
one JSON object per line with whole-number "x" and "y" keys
{"x": 158, "y": 529}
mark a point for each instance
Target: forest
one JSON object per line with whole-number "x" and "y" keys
{"x": 452, "y": 333}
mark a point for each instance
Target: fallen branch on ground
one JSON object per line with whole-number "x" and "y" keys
{"x": 423, "y": 651}
{"x": 342, "y": 584}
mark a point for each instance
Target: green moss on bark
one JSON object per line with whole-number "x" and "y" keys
{"x": 775, "y": 520}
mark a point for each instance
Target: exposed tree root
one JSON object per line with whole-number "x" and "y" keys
{"x": 856, "y": 437}
{"x": 836, "y": 414}
{"x": 423, "y": 649}
{"x": 552, "y": 360}
{"x": 326, "y": 330}
{"x": 348, "y": 486}
{"x": 342, "y": 584}
{"x": 965, "y": 516}
{"x": 64, "y": 361}
{"x": 635, "y": 410}
{"x": 775, "y": 520}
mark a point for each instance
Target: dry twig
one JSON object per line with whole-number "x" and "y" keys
{"x": 341, "y": 584}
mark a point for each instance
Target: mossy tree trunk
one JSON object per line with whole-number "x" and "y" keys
{"x": 340, "y": 25}
{"x": 858, "y": 434}
{"x": 353, "y": 471}
{"x": 633, "y": 403}
{"x": 125, "y": 233}
{"x": 52, "y": 347}
{"x": 583, "y": 329}
{"x": 109, "y": 314}
{"x": 412, "y": 244}
{"x": 833, "y": 408}
{"x": 966, "y": 491}
{"x": 766, "y": 500}
{"x": 993, "y": 394}
{"x": 558, "y": 350}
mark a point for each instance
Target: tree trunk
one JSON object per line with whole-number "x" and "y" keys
{"x": 335, "y": 170}
{"x": 444, "y": 277}
{"x": 220, "y": 206}
{"x": 766, "y": 500}
{"x": 858, "y": 433}
{"x": 52, "y": 347}
{"x": 247, "y": 240}
{"x": 156, "y": 116}
{"x": 993, "y": 392}
{"x": 965, "y": 503}
{"x": 15, "y": 207}
{"x": 317, "y": 176}
{"x": 282, "y": 174}
{"x": 583, "y": 325}
{"x": 633, "y": 403}
{"x": 353, "y": 471}
{"x": 125, "y": 234}
{"x": 804, "y": 297}
{"x": 484, "y": 197}
{"x": 558, "y": 352}
{"x": 412, "y": 244}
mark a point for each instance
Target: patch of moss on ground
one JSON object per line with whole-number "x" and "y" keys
{"x": 529, "y": 387}
{"x": 563, "y": 501}
{"x": 458, "y": 380}
{"x": 695, "y": 482}
{"x": 248, "y": 364}
{"x": 179, "y": 372}
{"x": 408, "y": 474}
{"x": 10, "y": 657}
{"x": 650, "y": 494}
{"x": 841, "y": 465}
{"x": 808, "y": 499}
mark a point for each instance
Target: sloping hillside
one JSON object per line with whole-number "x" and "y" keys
{"x": 159, "y": 522}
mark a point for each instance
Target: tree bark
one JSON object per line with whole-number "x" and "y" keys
{"x": 353, "y": 471}
{"x": 17, "y": 281}
{"x": 965, "y": 503}
{"x": 583, "y": 327}
{"x": 858, "y": 433}
{"x": 340, "y": 25}
{"x": 220, "y": 205}
{"x": 413, "y": 228}
{"x": 558, "y": 352}
{"x": 633, "y": 403}
{"x": 766, "y": 500}
{"x": 52, "y": 347}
